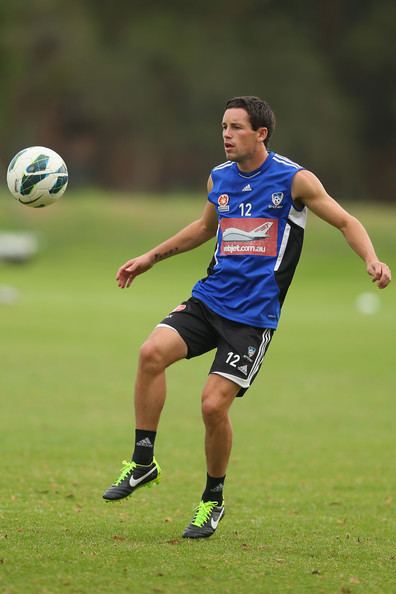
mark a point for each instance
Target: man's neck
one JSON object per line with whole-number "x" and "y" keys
{"x": 254, "y": 163}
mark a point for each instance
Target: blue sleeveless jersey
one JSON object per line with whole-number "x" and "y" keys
{"x": 259, "y": 242}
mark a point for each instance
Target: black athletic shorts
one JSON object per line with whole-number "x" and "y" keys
{"x": 240, "y": 348}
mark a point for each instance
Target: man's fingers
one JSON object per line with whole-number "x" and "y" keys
{"x": 375, "y": 271}
{"x": 124, "y": 268}
{"x": 385, "y": 279}
{"x": 125, "y": 279}
{"x": 130, "y": 269}
{"x": 380, "y": 274}
{"x": 120, "y": 273}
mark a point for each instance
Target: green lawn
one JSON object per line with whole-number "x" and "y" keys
{"x": 311, "y": 483}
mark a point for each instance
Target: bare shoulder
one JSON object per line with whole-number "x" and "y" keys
{"x": 209, "y": 215}
{"x": 306, "y": 186}
{"x": 309, "y": 191}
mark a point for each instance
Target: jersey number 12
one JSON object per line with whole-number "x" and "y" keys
{"x": 245, "y": 209}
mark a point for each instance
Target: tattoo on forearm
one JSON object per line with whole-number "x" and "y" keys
{"x": 158, "y": 256}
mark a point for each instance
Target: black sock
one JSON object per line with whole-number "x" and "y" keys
{"x": 214, "y": 489}
{"x": 144, "y": 446}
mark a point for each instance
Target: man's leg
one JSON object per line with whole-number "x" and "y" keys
{"x": 163, "y": 347}
{"x": 217, "y": 397}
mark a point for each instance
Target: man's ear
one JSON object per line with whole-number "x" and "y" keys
{"x": 262, "y": 134}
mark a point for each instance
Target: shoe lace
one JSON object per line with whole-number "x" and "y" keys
{"x": 202, "y": 512}
{"x": 126, "y": 469}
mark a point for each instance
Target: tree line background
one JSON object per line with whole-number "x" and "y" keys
{"x": 132, "y": 92}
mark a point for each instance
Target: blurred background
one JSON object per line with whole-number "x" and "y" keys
{"x": 131, "y": 92}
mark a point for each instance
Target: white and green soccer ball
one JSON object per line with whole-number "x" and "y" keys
{"x": 37, "y": 176}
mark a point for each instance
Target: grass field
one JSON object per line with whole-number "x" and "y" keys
{"x": 310, "y": 491}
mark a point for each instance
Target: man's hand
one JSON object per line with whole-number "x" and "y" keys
{"x": 132, "y": 268}
{"x": 380, "y": 273}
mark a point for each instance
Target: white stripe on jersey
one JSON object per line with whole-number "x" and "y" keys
{"x": 283, "y": 245}
{"x": 299, "y": 217}
{"x": 286, "y": 159}
{"x": 217, "y": 246}
{"x": 223, "y": 165}
{"x": 286, "y": 163}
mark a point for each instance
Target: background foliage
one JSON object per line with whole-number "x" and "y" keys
{"x": 132, "y": 92}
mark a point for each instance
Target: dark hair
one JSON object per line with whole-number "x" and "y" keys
{"x": 259, "y": 112}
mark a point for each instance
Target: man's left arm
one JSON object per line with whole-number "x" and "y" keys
{"x": 309, "y": 191}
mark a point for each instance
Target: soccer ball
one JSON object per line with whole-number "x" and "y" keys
{"x": 37, "y": 176}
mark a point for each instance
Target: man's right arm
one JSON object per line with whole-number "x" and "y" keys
{"x": 186, "y": 239}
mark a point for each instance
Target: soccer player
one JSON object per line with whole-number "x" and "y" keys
{"x": 257, "y": 208}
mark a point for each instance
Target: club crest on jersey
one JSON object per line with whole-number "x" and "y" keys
{"x": 223, "y": 201}
{"x": 277, "y": 198}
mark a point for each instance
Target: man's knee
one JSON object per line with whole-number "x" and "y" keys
{"x": 216, "y": 403}
{"x": 151, "y": 357}
{"x": 212, "y": 412}
{"x": 162, "y": 348}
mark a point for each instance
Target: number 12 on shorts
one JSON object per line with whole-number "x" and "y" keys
{"x": 232, "y": 359}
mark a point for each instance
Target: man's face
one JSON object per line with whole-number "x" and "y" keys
{"x": 241, "y": 142}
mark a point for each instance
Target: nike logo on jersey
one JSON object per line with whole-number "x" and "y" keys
{"x": 214, "y": 523}
{"x": 135, "y": 482}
